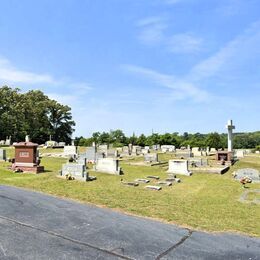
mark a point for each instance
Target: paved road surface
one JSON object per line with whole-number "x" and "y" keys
{"x": 37, "y": 226}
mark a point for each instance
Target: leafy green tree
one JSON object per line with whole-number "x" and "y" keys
{"x": 141, "y": 140}
{"x": 34, "y": 114}
{"x": 213, "y": 140}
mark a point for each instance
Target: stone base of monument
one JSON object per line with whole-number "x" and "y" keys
{"x": 227, "y": 157}
{"x": 32, "y": 169}
{"x": 214, "y": 169}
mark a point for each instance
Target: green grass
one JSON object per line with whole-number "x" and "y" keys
{"x": 203, "y": 201}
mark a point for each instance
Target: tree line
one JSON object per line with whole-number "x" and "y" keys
{"x": 33, "y": 114}
{"x": 216, "y": 140}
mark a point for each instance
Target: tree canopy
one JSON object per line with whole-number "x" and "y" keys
{"x": 33, "y": 114}
{"x": 214, "y": 140}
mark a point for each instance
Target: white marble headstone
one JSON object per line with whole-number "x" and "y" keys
{"x": 179, "y": 167}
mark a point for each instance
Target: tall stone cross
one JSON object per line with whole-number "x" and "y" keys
{"x": 230, "y": 128}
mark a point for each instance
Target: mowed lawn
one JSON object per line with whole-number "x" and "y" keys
{"x": 203, "y": 201}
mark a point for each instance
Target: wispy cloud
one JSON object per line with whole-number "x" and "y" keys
{"x": 234, "y": 7}
{"x": 242, "y": 48}
{"x": 9, "y": 74}
{"x": 154, "y": 31}
{"x": 181, "y": 88}
{"x": 184, "y": 43}
{"x": 151, "y": 30}
{"x": 236, "y": 53}
{"x": 172, "y": 2}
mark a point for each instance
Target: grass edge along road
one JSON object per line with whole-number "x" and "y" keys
{"x": 208, "y": 202}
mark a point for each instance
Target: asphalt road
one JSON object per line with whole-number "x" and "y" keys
{"x": 37, "y": 226}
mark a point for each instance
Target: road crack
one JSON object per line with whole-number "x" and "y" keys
{"x": 78, "y": 242}
{"x": 175, "y": 245}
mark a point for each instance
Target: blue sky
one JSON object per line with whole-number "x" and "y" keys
{"x": 138, "y": 65}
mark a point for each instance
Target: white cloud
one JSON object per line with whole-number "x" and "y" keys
{"x": 181, "y": 88}
{"x": 151, "y": 30}
{"x": 170, "y": 2}
{"x": 243, "y": 47}
{"x": 9, "y": 74}
{"x": 184, "y": 43}
{"x": 236, "y": 54}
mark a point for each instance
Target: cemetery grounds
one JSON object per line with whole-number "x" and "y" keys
{"x": 208, "y": 202}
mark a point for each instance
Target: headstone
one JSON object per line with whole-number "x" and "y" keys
{"x": 253, "y": 174}
{"x": 50, "y": 143}
{"x": 167, "y": 148}
{"x": 145, "y": 151}
{"x": 156, "y": 147}
{"x": 90, "y": 154}
{"x": 147, "y": 147}
{"x": 136, "y": 150}
{"x": 2, "y": 155}
{"x": 166, "y": 183}
{"x": 198, "y": 162}
{"x": 130, "y": 148}
{"x": 130, "y": 183}
{"x": 26, "y": 158}
{"x": 171, "y": 179}
{"x": 153, "y": 177}
{"x": 8, "y": 141}
{"x": 112, "y": 153}
{"x": 61, "y": 144}
{"x": 181, "y": 153}
{"x": 179, "y": 167}
{"x": 27, "y": 138}
{"x": 239, "y": 153}
{"x": 153, "y": 187}
{"x": 151, "y": 157}
{"x": 125, "y": 151}
{"x": 108, "y": 165}
{"x": 142, "y": 180}
{"x": 82, "y": 160}
{"x": 103, "y": 148}
{"x": 78, "y": 171}
{"x": 196, "y": 151}
{"x": 225, "y": 156}
{"x": 70, "y": 150}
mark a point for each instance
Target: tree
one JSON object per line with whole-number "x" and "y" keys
{"x": 34, "y": 114}
{"x": 214, "y": 140}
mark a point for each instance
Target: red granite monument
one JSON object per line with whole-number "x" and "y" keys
{"x": 26, "y": 158}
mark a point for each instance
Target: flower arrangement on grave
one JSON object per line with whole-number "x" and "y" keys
{"x": 245, "y": 180}
{"x": 69, "y": 177}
